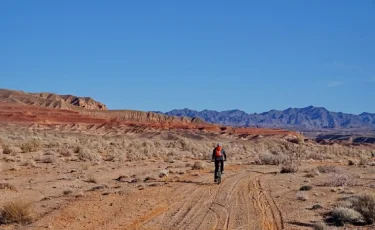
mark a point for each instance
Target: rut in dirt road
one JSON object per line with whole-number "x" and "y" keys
{"x": 240, "y": 202}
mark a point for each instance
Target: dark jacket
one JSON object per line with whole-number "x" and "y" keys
{"x": 223, "y": 155}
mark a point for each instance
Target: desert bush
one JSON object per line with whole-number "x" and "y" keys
{"x": 91, "y": 179}
{"x": 365, "y": 204}
{"x": 342, "y": 216}
{"x": 52, "y": 144}
{"x": 78, "y": 149}
{"x": 327, "y": 169}
{"x": 306, "y": 188}
{"x": 29, "y": 163}
{"x": 19, "y": 212}
{"x": 48, "y": 159}
{"x": 338, "y": 180}
{"x": 289, "y": 167}
{"x": 8, "y": 149}
{"x": 199, "y": 165}
{"x": 163, "y": 173}
{"x": 302, "y": 196}
{"x": 65, "y": 152}
{"x": 363, "y": 162}
{"x": 67, "y": 192}
{"x": 31, "y": 146}
{"x": 353, "y": 162}
{"x": 7, "y": 186}
{"x": 320, "y": 226}
{"x": 87, "y": 155}
{"x": 270, "y": 159}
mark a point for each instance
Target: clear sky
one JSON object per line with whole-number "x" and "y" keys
{"x": 160, "y": 55}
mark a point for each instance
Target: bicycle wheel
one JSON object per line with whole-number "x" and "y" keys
{"x": 219, "y": 177}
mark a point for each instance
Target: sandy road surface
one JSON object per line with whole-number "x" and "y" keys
{"x": 240, "y": 202}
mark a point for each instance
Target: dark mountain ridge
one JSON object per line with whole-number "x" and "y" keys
{"x": 304, "y": 119}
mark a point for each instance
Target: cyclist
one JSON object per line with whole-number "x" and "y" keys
{"x": 219, "y": 156}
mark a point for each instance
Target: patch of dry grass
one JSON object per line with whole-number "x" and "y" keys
{"x": 302, "y": 196}
{"x": 199, "y": 165}
{"x": 365, "y": 204}
{"x": 327, "y": 169}
{"x": 8, "y": 149}
{"x": 342, "y": 216}
{"x": 19, "y": 212}
{"x": 88, "y": 155}
{"x": 91, "y": 179}
{"x": 31, "y": 146}
{"x": 338, "y": 179}
{"x": 7, "y": 186}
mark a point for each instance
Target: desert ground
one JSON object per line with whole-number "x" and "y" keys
{"x": 93, "y": 179}
{"x": 69, "y": 163}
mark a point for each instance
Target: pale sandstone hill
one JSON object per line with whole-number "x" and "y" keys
{"x": 50, "y": 100}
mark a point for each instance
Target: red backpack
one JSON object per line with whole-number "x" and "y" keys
{"x": 218, "y": 152}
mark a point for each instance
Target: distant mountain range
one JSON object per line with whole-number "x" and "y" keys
{"x": 303, "y": 119}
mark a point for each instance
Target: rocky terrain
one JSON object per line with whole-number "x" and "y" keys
{"x": 81, "y": 168}
{"x": 50, "y": 100}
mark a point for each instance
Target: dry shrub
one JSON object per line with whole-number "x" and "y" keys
{"x": 65, "y": 152}
{"x": 365, "y": 204}
{"x": 87, "y": 155}
{"x": 306, "y": 188}
{"x": 31, "y": 146}
{"x": 29, "y": 163}
{"x": 48, "y": 159}
{"x": 7, "y": 186}
{"x": 91, "y": 179}
{"x": 338, "y": 180}
{"x": 8, "y": 149}
{"x": 363, "y": 162}
{"x": 289, "y": 167}
{"x": 270, "y": 159}
{"x": 199, "y": 165}
{"x": 302, "y": 196}
{"x": 19, "y": 212}
{"x": 353, "y": 162}
{"x": 78, "y": 149}
{"x": 320, "y": 226}
{"x": 67, "y": 192}
{"x": 327, "y": 169}
{"x": 342, "y": 216}
{"x": 52, "y": 144}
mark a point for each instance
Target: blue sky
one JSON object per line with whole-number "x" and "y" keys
{"x": 160, "y": 55}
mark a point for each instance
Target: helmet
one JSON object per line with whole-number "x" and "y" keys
{"x": 219, "y": 145}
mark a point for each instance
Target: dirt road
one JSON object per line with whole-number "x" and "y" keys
{"x": 240, "y": 202}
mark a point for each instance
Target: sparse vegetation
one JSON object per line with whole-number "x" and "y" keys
{"x": 199, "y": 165}
{"x": 327, "y": 169}
{"x": 339, "y": 179}
{"x": 19, "y": 212}
{"x": 7, "y": 186}
{"x": 320, "y": 226}
{"x": 270, "y": 159}
{"x": 8, "y": 149}
{"x": 306, "y": 188}
{"x": 365, "y": 204}
{"x": 91, "y": 179}
{"x": 289, "y": 167}
{"x": 31, "y": 146}
{"x": 65, "y": 152}
{"x": 342, "y": 216}
{"x": 67, "y": 192}
{"x": 87, "y": 155}
{"x": 302, "y": 196}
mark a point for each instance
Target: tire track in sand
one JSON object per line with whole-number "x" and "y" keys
{"x": 269, "y": 215}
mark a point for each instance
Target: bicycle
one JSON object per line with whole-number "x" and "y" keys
{"x": 218, "y": 174}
